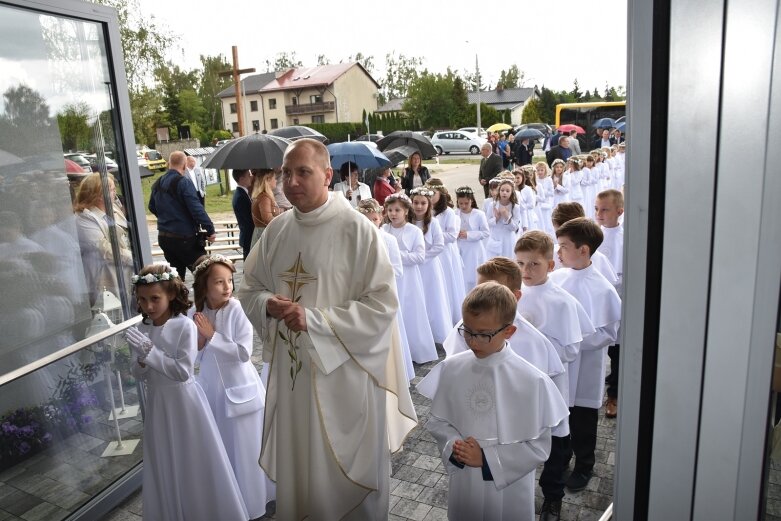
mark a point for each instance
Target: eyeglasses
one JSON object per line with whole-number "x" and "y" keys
{"x": 480, "y": 338}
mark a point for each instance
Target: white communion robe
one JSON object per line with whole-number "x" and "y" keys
{"x": 598, "y": 260}
{"x": 612, "y": 248}
{"x": 187, "y": 473}
{"x": 504, "y": 231}
{"x": 412, "y": 248}
{"x": 472, "y": 248}
{"x": 338, "y": 401}
{"x": 437, "y": 302}
{"x": 600, "y": 300}
{"x": 398, "y": 270}
{"x": 236, "y": 397}
{"x": 532, "y": 346}
{"x": 509, "y": 407}
{"x": 452, "y": 264}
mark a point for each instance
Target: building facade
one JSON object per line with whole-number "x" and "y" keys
{"x": 301, "y": 96}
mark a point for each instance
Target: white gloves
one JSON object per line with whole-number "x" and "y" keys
{"x": 139, "y": 343}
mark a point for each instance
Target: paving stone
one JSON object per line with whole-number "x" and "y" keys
{"x": 408, "y": 490}
{"x": 436, "y": 514}
{"x": 434, "y": 497}
{"x": 17, "y": 502}
{"x": 427, "y": 462}
{"x": 589, "y": 514}
{"x": 408, "y": 473}
{"x": 429, "y": 479}
{"x": 410, "y": 509}
{"x": 45, "y": 512}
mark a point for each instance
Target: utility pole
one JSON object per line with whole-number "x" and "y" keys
{"x": 477, "y": 74}
{"x": 235, "y": 72}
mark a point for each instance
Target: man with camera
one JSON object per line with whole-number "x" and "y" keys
{"x": 183, "y": 227}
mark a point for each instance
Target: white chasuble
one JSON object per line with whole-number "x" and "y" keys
{"x": 509, "y": 407}
{"x": 337, "y": 398}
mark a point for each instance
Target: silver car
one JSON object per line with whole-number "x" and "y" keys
{"x": 454, "y": 141}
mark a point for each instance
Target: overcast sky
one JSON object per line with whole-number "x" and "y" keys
{"x": 552, "y": 41}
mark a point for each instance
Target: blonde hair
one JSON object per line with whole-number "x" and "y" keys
{"x": 535, "y": 241}
{"x": 547, "y": 168}
{"x": 260, "y": 183}
{"x": 177, "y": 159}
{"x": 615, "y": 197}
{"x": 90, "y": 192}
{"x": 502, "y": 270}
{"x": 491, "y": 297}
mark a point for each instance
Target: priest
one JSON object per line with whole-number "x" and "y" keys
{"x": 319, "y": 289}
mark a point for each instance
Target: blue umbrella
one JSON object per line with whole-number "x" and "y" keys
{"x": 359, "y": 152}
{"x": 604, "y": 123}
{"x": 621, "y": 127}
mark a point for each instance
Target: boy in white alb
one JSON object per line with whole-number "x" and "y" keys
{"x": 558, "y": 316}
{"x": 491, "y": 414}
{"x": 608, "y": 207}
{"x": 578, "y": 239}
{"x": 567, "y": 211}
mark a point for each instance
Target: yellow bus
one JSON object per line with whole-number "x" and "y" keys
{"x": 585, "y": 114}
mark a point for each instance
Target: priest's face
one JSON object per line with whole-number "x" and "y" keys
{"x": 306, "y": 176}
{"x": 484, "y": 334}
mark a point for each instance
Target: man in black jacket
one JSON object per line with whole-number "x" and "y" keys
{"x": 242, "y": 208}
{"x": 490, "y": 166}
{"x": 604, "y": 140}
{"x": 560, "y": 151}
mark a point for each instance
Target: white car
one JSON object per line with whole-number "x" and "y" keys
{"x": 473, "y": 130}
{"x": 449, "y": 141}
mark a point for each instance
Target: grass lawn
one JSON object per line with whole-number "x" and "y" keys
{"x": 215, "y": 203}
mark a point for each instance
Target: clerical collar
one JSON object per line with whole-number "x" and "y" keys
{"x": 324, "y": 212}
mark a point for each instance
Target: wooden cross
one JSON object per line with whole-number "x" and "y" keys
{"x": 235, "y": 72}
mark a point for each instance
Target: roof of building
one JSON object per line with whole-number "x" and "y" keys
{"x": 304, "y": 77}
{"x": 250, "y": 84}
{"x": 394, "y": 105}
{"x": 508, "y": 97}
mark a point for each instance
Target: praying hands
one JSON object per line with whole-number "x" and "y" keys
{"x": 468, "y": 452}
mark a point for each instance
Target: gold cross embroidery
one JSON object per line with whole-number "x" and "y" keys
{"x": 296, "y": 277}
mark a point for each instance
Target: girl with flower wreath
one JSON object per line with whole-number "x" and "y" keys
{"x": 225, "y": 371}
{"x": 472, "y": 234}
{"x": 187, "y": 473}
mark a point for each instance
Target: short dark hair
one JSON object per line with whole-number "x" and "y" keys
{"x": 346, "y": 168}
{"x": 580, "y": 231}
{"x": 174, "y": 287}
{"x": 238, "y": 173}
{"x": 566, "y": 211}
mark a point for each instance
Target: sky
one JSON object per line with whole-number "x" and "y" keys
{"x": 553, "y": 42}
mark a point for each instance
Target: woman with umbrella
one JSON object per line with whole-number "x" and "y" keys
{"x": 353, "y": 190}
{"x": 382, "y": 186}
{"x": 415, "y": 174}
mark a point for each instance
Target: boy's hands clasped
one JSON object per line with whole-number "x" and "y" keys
{"x": 292, "y": 313}
{"x": 468, "y": 452}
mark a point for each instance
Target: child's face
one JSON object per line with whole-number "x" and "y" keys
{"x": 375, "y": 217}
{"x": 540, "y": 171}
{"x": 464, "y": 204}
{"x": 558, "y": 169}
{"x": 154, "y": 302}
{"x": 606, "y": 213}
{"x": 219, "y": 286}
{"x": 493, "y": 190}
{"x": 518, "y": 179}
{"x": 419, "y": 206}
{"x": 534, "y": 267}
{"x": 397, "y": 214}
{"x": 570, "y": 255}
{"x": 435, "y": 197}
{"x": 484, "y": 334}
{"x": 505, "y": 191}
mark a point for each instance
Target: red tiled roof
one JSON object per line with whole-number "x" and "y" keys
{"x": 311, "y": 76}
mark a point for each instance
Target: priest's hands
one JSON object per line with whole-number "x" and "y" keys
{"x": 468, "y": 452}
{"x": 292, "y": 313}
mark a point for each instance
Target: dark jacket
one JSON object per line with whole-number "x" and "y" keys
{"x": 179, "y": 211}
{"x": 242, "y": 207}
{"x": 490, "y": 167}
{"x": 597, "y": 143}
{"x": 557, "y": 152}
{"x": 523, "y": 153}
{"x": 406, "y": 181}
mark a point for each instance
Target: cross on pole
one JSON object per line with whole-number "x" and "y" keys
{"x": 235, "y": 72}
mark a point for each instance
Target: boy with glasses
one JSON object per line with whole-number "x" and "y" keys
{"x": 491, "y": 414}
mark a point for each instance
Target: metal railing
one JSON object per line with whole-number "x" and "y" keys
{"x": 307, "y": 108}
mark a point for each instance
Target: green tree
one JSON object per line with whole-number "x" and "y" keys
{"x": 513, "y": 78}
{"x": 575, "y": 92}
{"x": 25, "y": 106}
{"x": 461, "y": 104}
{"x": 322, "y": 59}
{"x": 283, "y": 60}
{"x": 210, "y": 85}
{"x": 173, "y": 111}
{"x": 400, "y": 72}
{"x": 366, "y": 61}
{"x": 190, "y": 106}
{"x": 531, "y": 112}
{"x": 430, "y": 98}
{"x": 587, "y": 96}
{"x": 73, "y": 122}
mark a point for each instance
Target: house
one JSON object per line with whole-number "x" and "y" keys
{"x": 324, "y": 94}
{"x": 513, "y": 100}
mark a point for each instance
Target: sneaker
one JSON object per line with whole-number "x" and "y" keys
{"x": 577, "y": 481}
{"x": 611, "y": 407}
{"x": 551, "y": 510}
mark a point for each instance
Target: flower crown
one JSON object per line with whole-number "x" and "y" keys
{"x": 370, "y": 209}
{"x": 151, "y": 278}
{"x": 422, "y": 190}
{"x": 464, "y": 190}
{"x": 211, "y": 259}
{"x": 436, "y": 187}
{"x": 400, "y": 195}
{"x": 557, "y": 162}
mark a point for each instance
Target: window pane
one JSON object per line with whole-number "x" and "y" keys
{"x": 65, "y": 236}
{"x": 58, "y": 433}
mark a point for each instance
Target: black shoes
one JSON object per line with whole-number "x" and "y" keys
{"x": 551, "y": 510}
{"x": 577, "y": 481}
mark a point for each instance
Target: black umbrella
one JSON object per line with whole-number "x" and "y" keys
{"x": 399, "y": 154}
{"x": 297, "y": 132}
{"x": 400, "y": 138}
{"x": 529, "y": 133}
{"x": 253, "y": 151}
{"x": 542, "y": 127}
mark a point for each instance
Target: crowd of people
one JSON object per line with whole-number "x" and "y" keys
{"x": 521, "y": 294}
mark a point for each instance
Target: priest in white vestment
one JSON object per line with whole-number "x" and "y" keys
{"x": 320, "y": 290}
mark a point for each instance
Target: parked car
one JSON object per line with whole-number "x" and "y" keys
{"x": 79, "y": 160}
{"x": 155, "y": 160}
{"x": 473, "y": 130}
{"x": 370, "y": 137}
{"x": 93, "y": 161}
{"x": 456, "y": 141}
